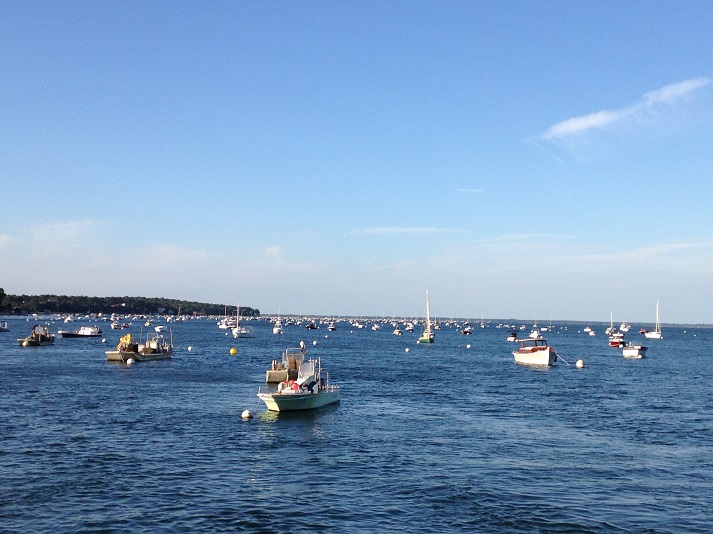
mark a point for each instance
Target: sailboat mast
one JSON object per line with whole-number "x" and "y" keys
{"x": 428, "y": 315}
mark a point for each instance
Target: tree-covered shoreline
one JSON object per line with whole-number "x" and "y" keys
{"x": 24, "y": 304}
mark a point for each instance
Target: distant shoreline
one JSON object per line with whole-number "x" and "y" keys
{"x": 12, "y": 305}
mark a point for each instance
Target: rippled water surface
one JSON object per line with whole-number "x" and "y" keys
{"x": 440, "y": 438}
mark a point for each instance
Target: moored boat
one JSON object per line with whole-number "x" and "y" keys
{"x": 83, "y": 331}
{"x": 616, "y": 339}
{"x": 3, "y": 326}
{"x": 38, "y": 337}
{"x": 154, "y": 348}
{"x": 633, "y": 351}
{"x": 656, "y": 334}
{"x": 427, "y": 336}
{"x": 309, "y": 391}
{"x": 535, "y": 352}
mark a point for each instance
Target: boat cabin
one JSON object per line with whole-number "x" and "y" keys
{"x": 533, "y": 344}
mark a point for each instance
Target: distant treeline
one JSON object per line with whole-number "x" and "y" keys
{"x": 23, "y": 304}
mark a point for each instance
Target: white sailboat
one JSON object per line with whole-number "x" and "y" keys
{"x": 656, "y": 334}
{"x": 242, "y": 330}
{"x": 428, "y": 335}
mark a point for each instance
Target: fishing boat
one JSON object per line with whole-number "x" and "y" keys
{"x": 288, "y": 367}
{"x": 512, "y": 336}
{"x": 535, "y": 352}
{"x": 427, "y": 336}
{"x": 277, "y": 327}
{"x": 633, "y": 351}
{"x": 309, "y": 391}
{"x": 153, "y": 348}
{"x": 656, "y": 334}
{"x": 83, "y": 331}
{"x": 38, "y": 337}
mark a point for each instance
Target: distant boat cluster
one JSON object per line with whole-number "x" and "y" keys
{"x": 302, "y": 383}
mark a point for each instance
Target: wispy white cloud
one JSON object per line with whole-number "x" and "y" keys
{"x": 407, "y": 230}
{"x": 274, "y": 251}
{"x": 648, "y": 103}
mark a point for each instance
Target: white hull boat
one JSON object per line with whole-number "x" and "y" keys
{"x": 656, "y": 334}
{"x": 633, "y": 351}
{"x": 535, "y": 352}
{"x": 243, "y": 331}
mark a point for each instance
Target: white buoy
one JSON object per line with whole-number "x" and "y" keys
{"x": 130, "y": 361}
{"x": 580, "y": 364}
{"x": 104, "y": 340}
{"x": 190, "y": 349}
{"x": 407, "y": 349}
{"x": 467, "y": 346}
{"x": 325, "y": 336}
{"x": 247, "y": 414}
{"x": 314, "y": 342}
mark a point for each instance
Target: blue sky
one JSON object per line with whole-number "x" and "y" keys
{"x": 532, "y": 160}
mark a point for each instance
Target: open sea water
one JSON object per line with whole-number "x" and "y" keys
{"x": 444, "y": 437}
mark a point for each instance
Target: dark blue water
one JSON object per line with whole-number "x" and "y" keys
{"x": 440, "y": 438}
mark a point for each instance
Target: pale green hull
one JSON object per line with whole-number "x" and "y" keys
{"x": 284, "y": 402}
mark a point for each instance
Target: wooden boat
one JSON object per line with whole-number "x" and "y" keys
{"x": 310, "y": 391}
{"x": 154, "y": 348}
{"x": 38, "y": 337}
{"x": 427, "y": 336}
{"x": 535, "y": 352}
